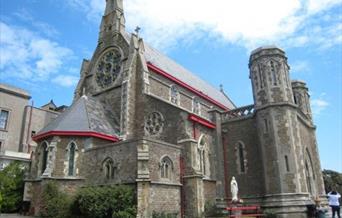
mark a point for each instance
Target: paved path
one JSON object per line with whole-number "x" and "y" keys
{"x": 13, "y": 215}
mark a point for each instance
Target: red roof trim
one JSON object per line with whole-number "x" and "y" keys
{"x": 201, "y": 121}
{"x": 184, "y": 85}
{"x": 76, "y": 133}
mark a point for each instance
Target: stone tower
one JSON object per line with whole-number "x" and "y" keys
{"x": 279, "y": 132}
{"x": 302, "y": 97}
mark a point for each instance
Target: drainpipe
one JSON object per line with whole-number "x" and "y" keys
{"x": 28, "y": 135}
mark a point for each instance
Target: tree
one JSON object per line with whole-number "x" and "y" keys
{"x": 11, "y": 187}
{"x": 332, "y": 181}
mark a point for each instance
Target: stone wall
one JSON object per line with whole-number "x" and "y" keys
{"x": 161, "y": 88}
{"x": 165, "y": 198}
{"x": 159, "y": 150}
{"x": 124, "y": 155}
{"x": 243, "y": 132}
{"x": 311, "y": 154}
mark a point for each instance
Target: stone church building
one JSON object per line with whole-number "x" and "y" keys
{"x": 139, "y": 118}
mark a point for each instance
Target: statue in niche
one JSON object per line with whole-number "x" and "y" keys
{"x": 234, "y": 189}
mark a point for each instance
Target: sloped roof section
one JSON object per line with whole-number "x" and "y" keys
{"x": 177, "y": 71}
{"x": 171, "y": 67}
{"x": 85, "y": 117}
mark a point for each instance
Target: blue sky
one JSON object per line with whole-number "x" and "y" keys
{"x": 43, "y": 43}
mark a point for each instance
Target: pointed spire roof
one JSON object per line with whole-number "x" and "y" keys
{"x": 113, "y": 19}
{"x": 113, "y": 5}
{"x": 85, "y": 117}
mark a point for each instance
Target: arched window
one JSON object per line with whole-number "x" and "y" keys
{"x": 308, "y": 177}
{"x": 108, "y": 168}
{"x": 287, "y": 163}
{"x": 295, "y": 98}
{"x": 166, "y": 168}
{"x": 261, "y": 78}
{"x": 44, "y": 152}
{"x": 241, "y": 157}
{"x": 196, "y": 106}
{"x": 71, "y": 159}
{"x": 174, "y": 95}
{"x": 310, "y": 173}
{"x": 203, "y": 156}
{"x": 274, "y": 74}
{"x": 310, "y": 160}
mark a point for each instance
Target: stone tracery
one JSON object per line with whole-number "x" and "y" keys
{"x": 108, "y": 67}
{"x": 154, "y": 123}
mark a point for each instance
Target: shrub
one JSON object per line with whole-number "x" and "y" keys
{"x": 11, "y": 187}
{"x": 54, "y": 203}
{"x": 103, "y": 202}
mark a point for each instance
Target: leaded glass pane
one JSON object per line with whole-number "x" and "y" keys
{"x": 108, "y": 68}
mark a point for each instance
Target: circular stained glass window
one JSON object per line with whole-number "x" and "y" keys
{"x": 108, "y": 68}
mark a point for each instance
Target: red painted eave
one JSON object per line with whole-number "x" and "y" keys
{"x": 185, "y": 85}
{"x": 76, "y": 133}
{"x": 201, "y": 121}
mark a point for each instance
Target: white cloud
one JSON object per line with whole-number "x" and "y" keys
{"x": 26, "y": 55}
{"x": 248, "y": 23}
{"x": 319, "y": 104}
{"x": 315, "y": 6}
{"x": 65, "y": 80}
{"x": 300, "y": 67}
{"x": 42, "y": 27}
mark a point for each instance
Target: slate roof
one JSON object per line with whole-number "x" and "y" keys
{"x": 171, "y": 67}
{"x": 84, "y": 115}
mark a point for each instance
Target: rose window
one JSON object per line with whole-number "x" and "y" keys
{"x": 154, "y": 123}
{"x": 108, "y": 68}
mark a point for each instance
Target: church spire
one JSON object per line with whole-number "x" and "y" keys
{"x": 113, "y": 5}
{"x": 113, "y": 19}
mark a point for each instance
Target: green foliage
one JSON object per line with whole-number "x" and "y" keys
{"x": 103, "y": 202}
{"x": 0, "y": 201}
{"x": 210, "y": 208}
{"x": 164, "y": 215}
{"x": 54, "y": 203}
{"x": 332, "y": 181}
{"x": 11, "y": 187}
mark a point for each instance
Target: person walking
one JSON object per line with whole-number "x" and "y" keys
{"x": 334, "y": 203}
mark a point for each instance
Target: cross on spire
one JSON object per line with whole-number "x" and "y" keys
{"x": 221, "y": 87}
{"x": 137, "y": 29}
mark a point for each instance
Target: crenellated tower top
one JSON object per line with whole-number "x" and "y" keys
{"x": 269, "y": 73}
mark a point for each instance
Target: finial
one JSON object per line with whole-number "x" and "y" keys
{"x": 221, "y": 87}
{"x": 137, "y": 29}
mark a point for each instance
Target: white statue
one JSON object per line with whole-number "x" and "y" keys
{"x": 234, "y": 189}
